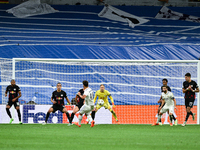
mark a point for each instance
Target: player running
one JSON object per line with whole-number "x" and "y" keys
{"x": 104, "y": 94}
{"x": 14, "y": 95}
{"x": 189, "y": 88}
{"x": 165, "y": 81}
{"x": 79, "y": 104}
{"x": 58, "y": 102}
{"x": 170, "y": 103}
{"x": 88, "y": 106}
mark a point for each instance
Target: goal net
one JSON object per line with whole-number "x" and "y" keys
{"x": 134, "y": 85}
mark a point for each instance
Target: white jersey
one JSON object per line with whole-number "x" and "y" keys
{"x": 168, "y": 97}
{"x": 89, "y": 96}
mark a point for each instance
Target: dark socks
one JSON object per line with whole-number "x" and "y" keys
{"x": 93, "y": 115}
{"x": 187, "y": 116}
{"x": 72, "y": 117}
{"x": 173, "y": 117}
{"x": 191, "y": 113}
{"x": 8, "y": 112}
{"x": 67, "y": 114}
{"x": 47, "y": 116}
{"x": 19, "y": 114}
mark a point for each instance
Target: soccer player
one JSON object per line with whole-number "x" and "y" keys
{"x": 170, "y": 103}
{"x": 165, "y": 81}
{"x": 189, "y": 88}
{"x": 79, "y": 104}
{"x": 14, "y": 95}
{"x": 88, "y": 106}
{"x": 58, "y": 102}
{"x": 104, "y": 94}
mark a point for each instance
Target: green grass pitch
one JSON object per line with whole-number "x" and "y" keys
{"x": 100, "y": 137}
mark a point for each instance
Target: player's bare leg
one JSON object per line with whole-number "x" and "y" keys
{"x": 9, "y": 114}
{"x": 47, "y": 116}
{"x": 19, "y": 114}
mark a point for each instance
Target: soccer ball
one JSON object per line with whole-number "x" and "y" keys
{"x": 100, "y": 102}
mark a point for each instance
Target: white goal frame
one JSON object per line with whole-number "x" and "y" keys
{"x": 118, "y": 60}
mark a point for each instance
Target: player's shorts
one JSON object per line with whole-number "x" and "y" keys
{"x": 58, "y": 107}
{"x": 79, "y": 105}
{"x": 10, "y": 103}
{"x": 165, "y": 109}
{"x": 105, "y": 105}
{"x": 189, "y": 102}
{"x": 86, "y": 109}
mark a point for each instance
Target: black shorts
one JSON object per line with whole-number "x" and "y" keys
{"x": 58, "y": 107}
{"x": 189, "y": 102}
{"x": 10, "y": 103}
{"x": 79, "y": 105}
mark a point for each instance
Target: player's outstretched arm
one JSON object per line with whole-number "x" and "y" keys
{"x": 111, "y": 98}
{"x": 197, "y": 90}
{"x": 160, "y": 100}
{"x": 76, "y": 99}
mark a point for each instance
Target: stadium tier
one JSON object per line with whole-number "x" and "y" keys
{"x": 76, "y": 32}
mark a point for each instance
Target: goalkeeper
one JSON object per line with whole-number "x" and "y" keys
{"x": 104, "y": 94}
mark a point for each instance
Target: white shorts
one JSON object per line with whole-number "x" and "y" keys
{"x": 86, "y": 109}
{"x": 165, "y": 109}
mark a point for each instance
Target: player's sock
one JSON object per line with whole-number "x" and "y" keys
{"x": 67, "y": 114}
{"x": 80, "y": 119}
{"x": 158, "y": 119}
{"x": 93, "y": 114}
{"x": 187, "y": 116}
{"x": 173, "y": 117}
{"x": 114, "y": 114}
{"x": 47, "y": 116}
{"x": 89, "y": 118}
{"x": 191, "y": 113}
{"x": 8, "y": 112}
{"x": 19, "y": 114}
{"x": 72, "y": 117}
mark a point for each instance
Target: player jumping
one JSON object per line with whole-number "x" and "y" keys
{"x": 79, "y": 104}
{"x": 170, "y": 103}
{"x": 104, "y": 94}
{"x": 165, "y": 81}
{"x": 14, "y": 95}
{"x": 189, "y": 88}
{"x": 58, "y": 102}
{"x": 88, "y": 106}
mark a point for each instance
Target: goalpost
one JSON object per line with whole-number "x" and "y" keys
{"x": 134, "y": 84}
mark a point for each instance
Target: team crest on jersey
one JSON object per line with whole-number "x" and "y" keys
{"x": 61, "y": 95}
{"x": 14, "y": 89}
{"x": 12, "y": 92}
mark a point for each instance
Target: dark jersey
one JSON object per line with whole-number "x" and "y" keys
{"x": 80, "y": 100}
{"x": 13, "y": 92}
{"x": 168, "y": 88}
{"x": 59, "y": 97}
{"x": 190, "y": 94}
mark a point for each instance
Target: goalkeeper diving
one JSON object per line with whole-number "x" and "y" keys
{"x": 103, "y": 94}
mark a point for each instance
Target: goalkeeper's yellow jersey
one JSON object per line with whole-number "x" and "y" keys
{"x": 103, "y": 95}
